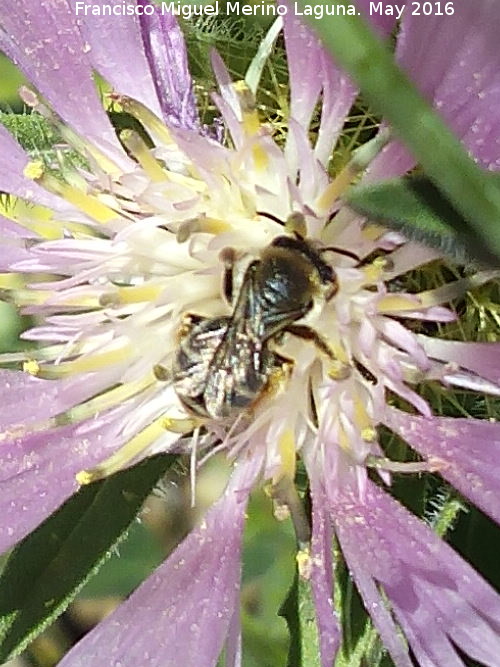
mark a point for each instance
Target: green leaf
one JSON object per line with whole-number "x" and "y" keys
{"x": 471, "y": 190}
{"x": 299, "y": 612}
{"x": 416, "y": 207}
{"x": 48, "y": 568}
{"x": 41, "y": 140}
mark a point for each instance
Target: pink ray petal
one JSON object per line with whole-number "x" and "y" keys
{"x": 182, "y": 613}
{"x": 467, "y": 448}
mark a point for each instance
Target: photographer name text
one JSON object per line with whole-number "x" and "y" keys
{"x": 317, "y": 11}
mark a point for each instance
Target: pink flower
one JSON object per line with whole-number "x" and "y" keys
{"x": 113, "y": 255}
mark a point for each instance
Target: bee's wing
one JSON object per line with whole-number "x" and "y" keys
{"x": 238, "y": 369}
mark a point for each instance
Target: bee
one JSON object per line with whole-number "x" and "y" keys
{"x": 225, "y": 365}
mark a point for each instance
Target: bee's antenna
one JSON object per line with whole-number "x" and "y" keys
{"x": 295, "y": 223}
{"x": 342, "y": 251}
{"x": 271, "y": 217}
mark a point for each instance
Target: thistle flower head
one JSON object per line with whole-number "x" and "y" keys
{"x": 146, "y": 268}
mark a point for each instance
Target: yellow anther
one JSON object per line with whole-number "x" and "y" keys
{"x": 34, "y": 170}
{"x": 131, "y": 451}
{"x": 155, "y": 127}
{"x": 87, "y": 203}
{"x": 136, "y": 145}
{"x": 393, "y": 303}
{"x": 260, "y": 158}
{"x": 286, "y": 446}
{"x": 335, "y": 189}
{"x": 87, "y": 363}
{"x": 32, "y": 367}
{"x": 372, "y": 232}
{"x": 373, "y": 272}
{"x": 344, "y": 440}
{"x": 181, "y": 426}
{"x": 201, "y": 224}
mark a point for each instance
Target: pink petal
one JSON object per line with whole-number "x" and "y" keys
{"x": 13, "y": 160}
{"x": 37, "y": 469}
{"x": 305, "y": 66}
{"x": 322, "y": 578}
{"x": 117, "y": 52}
{"x": 182, "y": 613}
{"x": 436, "y": 596}
{"x": 234, "y": 641}
{"x": 455, "y": 62}
{"x": 38, "y": 472}
{"x": 43, "y": 39}
{"x": 312, "y": 70}
{"x": 481, "y": 358}
{"x": 468, "y": 449}
{"x": 13, "y": 239}
{"x": 167, "y": 56}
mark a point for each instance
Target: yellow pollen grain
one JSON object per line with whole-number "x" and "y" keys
{"x": 296, "y": 224}
{"x": 369, "y": 434}
{"x": 32, "y": 367}
{"x": 34, "y": 170}
{"x": 304, "y": 563}
{"x": 336, "y": 371}
{"x": 250, "y": 123}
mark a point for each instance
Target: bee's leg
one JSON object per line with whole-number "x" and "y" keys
{"x": 282, "y": 369}
{"x": 188, "y": 321}
{"x": 305, "y": 332}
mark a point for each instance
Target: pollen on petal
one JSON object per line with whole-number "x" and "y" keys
{"x": 34, "y": 170}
